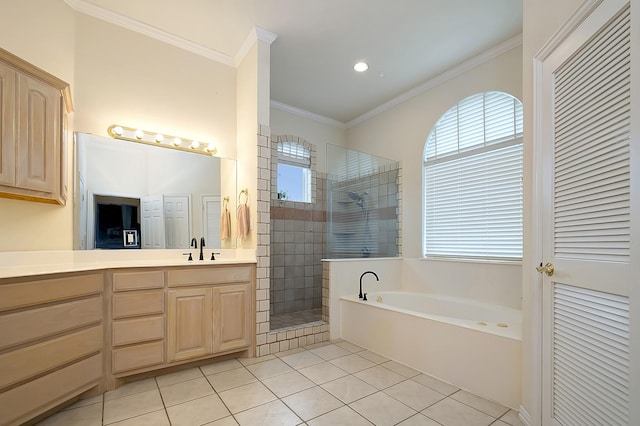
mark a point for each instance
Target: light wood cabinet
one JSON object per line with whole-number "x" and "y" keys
{"x": 51, "y": 342}
{"x": 137, "y": 320}
{"x": 33, "y": 142}
{"x": 232, "y": 317}
{"x": 190, "y": 323}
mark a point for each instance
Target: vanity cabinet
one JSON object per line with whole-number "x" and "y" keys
{"x": 137, "y": 319}
{"x": 51, "y": 342}
{"x": 210, "y": 311}
{"x": 33, "y": 106}
{"x": 162, "y": 317}
{"x": 190, "y": 324}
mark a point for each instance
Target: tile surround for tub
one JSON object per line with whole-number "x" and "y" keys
{"x": 287, "y": 396}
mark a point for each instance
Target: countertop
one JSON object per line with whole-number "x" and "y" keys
{"x": 24, "y": 264}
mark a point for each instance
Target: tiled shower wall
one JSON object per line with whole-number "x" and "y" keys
{"x": 267, "y": 341}
{"x": 297, "y": 241}
{"x": 350, "y": 235}
{"x": 297, "y": 248}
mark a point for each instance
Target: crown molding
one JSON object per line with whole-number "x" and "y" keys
{"x": 86, "y": 8}
{"x": 490, "y": 54}
{"x": 256, "y": 34}
{"x": 307, "y": 114}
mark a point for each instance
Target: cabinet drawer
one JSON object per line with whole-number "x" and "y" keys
{"x": 137, "y": 330}
{"x": 29, "y": 293}
{"x": 32, "y": 398}
{"x": 209, "y": 275}
{"x": 137, "y": 280}
{"x": 138, "y": 356}
{"x": 34, "y": 360}
{"x": 22, "y": 327}
{"x": 137, "y": 303}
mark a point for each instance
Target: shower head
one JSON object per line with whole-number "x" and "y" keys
{"x": 355, "y": 196}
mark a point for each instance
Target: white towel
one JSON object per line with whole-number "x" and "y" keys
{"x": 243, "y": 221}
{"x": 225, "y": 225}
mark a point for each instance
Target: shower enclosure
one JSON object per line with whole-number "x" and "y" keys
{"x": 353, "y": 214}
{"x": 362, "y": 200}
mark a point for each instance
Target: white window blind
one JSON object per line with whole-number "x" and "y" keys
{"x": 473, "y": 180}
{"x": 294, "y": 154}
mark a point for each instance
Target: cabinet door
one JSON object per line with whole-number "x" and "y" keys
{"x": 232, "y": 317}
{"x": 7, "y": 114}
{"x": 190, "y": 323}
{"x": 38, "y": 137}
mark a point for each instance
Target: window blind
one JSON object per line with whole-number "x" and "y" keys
{"x": 473, "y": 180}
{"x": 294, "y": 154}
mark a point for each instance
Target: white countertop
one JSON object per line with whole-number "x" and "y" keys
{"x": 31, "y": 263}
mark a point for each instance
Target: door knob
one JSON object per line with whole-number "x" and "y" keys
{"x": 547, "y": 269}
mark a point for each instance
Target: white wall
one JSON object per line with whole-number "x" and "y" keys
{"x": 314, "y": 132}
{"x": 43, "y": 33}
{"x": 400, "y": 134}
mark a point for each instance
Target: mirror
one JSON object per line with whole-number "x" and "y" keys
{"x": 135, "y": 196}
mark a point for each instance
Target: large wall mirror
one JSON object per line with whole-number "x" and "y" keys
{"x": 136, "y": 196}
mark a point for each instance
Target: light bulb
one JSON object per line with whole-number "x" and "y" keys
{"x": 139, "y": 134}
{"x": 211, "y": 148}
{"x": 177, "y": 141}
{"x": 118, "y": 130}
{"x": 361, "y": 67}
{"x": 159, "y": 137}
{"x": 195, "y": 144}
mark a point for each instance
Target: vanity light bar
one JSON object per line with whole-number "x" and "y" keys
{"x": 131, "y": 134}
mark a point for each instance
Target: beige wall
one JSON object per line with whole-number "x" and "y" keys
{"x": 116, "y": 76}
{"x": 400, "y": 134}
{"x": 127, "y": 78}
{"x": 41, "y": 32}
{"x": 314, "y": 132}
{"x": 541, "y": 19}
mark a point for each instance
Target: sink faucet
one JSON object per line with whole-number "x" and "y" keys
{"x": 194, "y": 243}
{"x": 363, "y": 274}
{"x": 201, "y": 247}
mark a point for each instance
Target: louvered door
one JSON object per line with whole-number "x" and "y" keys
{"x": 587, "y": 196}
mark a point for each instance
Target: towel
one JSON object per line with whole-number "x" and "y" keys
{"x": 225, "y": 225}
{"x": 243, "y": 221}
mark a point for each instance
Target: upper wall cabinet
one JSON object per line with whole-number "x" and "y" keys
{"x": 33, "y": 107}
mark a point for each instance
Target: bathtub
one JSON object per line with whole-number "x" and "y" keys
{"x": 474, "y": 346}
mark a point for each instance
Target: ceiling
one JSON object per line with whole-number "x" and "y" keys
{"x": 405, "y": 42}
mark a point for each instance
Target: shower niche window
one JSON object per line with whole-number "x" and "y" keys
{"x": 294, "y": 172}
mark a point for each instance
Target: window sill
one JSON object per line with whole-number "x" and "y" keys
{"x": 471, "y": 260}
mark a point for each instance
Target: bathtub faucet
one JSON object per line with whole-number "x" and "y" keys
{"x": 361, "y": 296}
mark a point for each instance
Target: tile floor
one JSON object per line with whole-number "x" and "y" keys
{"x": 292, "y": 319}
{"x": 332, "y": 384}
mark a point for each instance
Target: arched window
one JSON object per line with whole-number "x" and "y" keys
{"x": 473, "y": 180}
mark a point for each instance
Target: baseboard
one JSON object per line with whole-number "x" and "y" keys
{"x": 525, "y": 418}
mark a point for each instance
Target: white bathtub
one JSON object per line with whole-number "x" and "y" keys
{"x": 473, "y": 346}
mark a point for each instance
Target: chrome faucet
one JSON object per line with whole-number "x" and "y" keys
{"x": 201, "y": 247}
{"x": 361, "y": 296}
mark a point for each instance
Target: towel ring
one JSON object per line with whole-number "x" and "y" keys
{"x": 225, "y": 202}
{"x": 246, "y": 194}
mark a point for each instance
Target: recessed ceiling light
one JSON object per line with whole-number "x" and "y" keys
{"x": 361, "y": 66}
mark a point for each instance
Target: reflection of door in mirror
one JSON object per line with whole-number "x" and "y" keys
{"x": 177, "y": 213}
{"x": 152, "y": 223}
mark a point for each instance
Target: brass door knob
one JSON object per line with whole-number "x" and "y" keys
{"x": 547, "y": 269}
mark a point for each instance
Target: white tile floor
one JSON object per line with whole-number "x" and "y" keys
{"x": 332, "y": 384}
